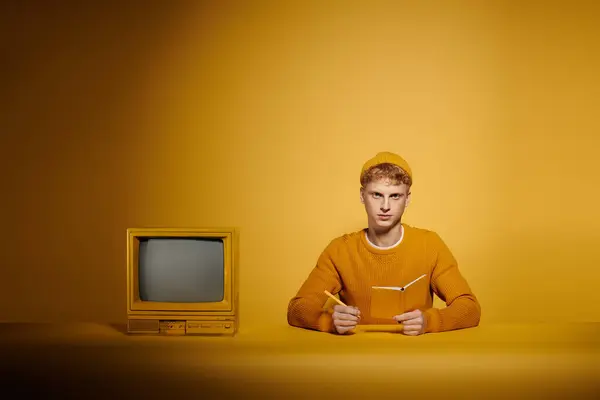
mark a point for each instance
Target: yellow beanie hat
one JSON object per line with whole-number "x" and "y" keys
{"x": 387, "y": 157}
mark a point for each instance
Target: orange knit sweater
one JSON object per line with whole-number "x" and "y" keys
{"x": 350, "y": 265}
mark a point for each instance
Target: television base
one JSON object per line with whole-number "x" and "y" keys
{"x": 182, "y": 327}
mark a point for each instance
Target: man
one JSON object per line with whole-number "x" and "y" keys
{"x": 389, "y": 253}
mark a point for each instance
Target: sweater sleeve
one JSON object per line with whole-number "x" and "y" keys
{"x": 305, "y": 310}
{"x": 462, "y": 307}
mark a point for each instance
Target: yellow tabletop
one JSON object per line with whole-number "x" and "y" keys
{"x": 278, "y": 361}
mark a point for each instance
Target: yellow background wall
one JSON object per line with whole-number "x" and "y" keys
{"x": 260, "y": 116}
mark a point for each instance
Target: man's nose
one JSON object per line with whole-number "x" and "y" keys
{"x": 385, "y": 205}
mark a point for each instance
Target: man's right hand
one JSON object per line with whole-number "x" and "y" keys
{"x": 345, "y": 318}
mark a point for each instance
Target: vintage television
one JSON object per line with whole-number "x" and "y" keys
{"x": 182, "y": 281}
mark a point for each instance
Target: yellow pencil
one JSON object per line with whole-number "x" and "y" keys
{"x": 335, "y": 298}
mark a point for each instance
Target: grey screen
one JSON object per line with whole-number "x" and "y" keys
{"x": 187, "y": 270}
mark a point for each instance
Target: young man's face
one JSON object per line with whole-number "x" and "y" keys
{"x": 385, "y": 203}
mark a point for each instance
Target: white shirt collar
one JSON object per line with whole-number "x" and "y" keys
{"x": 386, "y": 247}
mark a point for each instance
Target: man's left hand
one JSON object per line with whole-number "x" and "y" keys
{"x": 413, "y": 323}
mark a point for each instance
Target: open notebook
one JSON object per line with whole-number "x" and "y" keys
{"x": 389, "y": 301}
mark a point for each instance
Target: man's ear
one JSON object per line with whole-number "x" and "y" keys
{"x": 362, "y": 195}
{"x": 407, "y": 200}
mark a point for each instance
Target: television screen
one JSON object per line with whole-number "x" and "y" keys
{"x": 185, "y": 270}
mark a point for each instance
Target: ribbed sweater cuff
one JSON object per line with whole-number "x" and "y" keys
{"x": 326, "y": 322}
{"x": 434, "y": 320}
